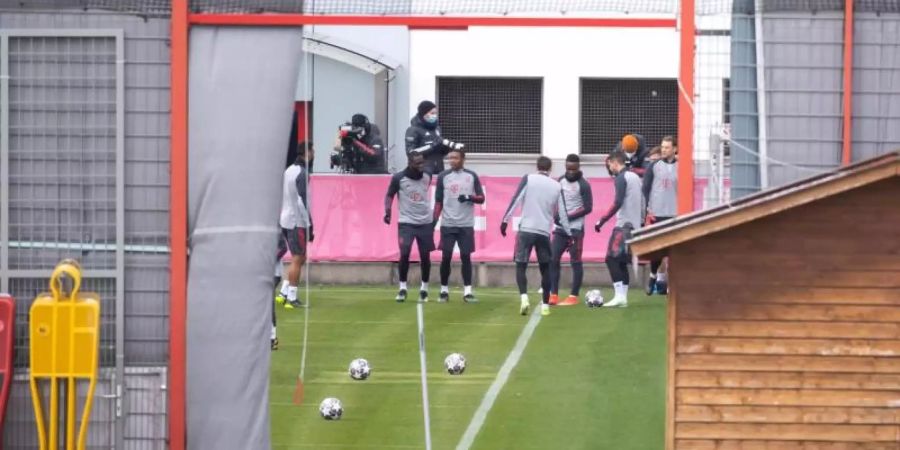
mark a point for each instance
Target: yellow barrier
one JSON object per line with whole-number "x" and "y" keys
{"x": 65, "y": 335}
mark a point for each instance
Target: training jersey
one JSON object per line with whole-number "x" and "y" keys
{"x": 660, "y": 188}
{"x": 450, "y": 185}
{"x": 628, "y": 206}
{"x": 579, "y": 200}
{"x": 542, "y": 201}
{"x": 294, "y": 210}
{"x": 414, "y": 201}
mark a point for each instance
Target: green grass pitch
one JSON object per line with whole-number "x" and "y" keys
{"x": 588, "y": 379}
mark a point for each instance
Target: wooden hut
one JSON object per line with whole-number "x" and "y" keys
{"x": 784, "y": 316}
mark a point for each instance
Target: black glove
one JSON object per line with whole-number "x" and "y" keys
{"x": 311, "y": 234}
{"x": 387, "y": 217}
{"x": 434, "y": 224}
{"x": 464, "y": 198}
{"x": 599, "y": 225}
{"x": 503, "y": 229}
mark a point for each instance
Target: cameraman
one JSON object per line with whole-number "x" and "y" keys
{"x": 424, "y": 136}
{"x": 359, "y": 148}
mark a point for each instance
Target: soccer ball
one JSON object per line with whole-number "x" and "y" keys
{"x": 455, "y": 364}
{"x": 593, "y": 299}
{"x": 360, "y": 369}
{"x": 331, "y": 409}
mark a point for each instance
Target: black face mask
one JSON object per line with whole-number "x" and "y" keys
{"x": 573, "y": 177}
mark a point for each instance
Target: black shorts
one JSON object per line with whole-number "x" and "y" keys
{"x": 282, "y": 246}
{"x": 562, "y": 242}
{"x": 422, "y": 234}
{"x": 295, "y": 239}
{"x": 618, "y": 244}
{"x": 525, "y": 241}
{"x": 464, "y": 236}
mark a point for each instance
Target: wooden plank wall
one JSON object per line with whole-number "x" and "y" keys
{"x": 788, "y": 330}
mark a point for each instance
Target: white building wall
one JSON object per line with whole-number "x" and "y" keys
{"x": 561, "y": 56}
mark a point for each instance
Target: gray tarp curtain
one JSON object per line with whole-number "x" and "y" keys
{"x": 242, "y": 85}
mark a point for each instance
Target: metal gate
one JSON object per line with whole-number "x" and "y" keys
{"x": 62, "y": 195}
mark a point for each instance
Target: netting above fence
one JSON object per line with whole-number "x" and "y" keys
{"x": 712, "y": 7}
{"x": 460, "y": 7}
{"x": 369, "y": 7}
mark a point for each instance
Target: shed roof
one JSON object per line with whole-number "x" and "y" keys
{"x": 659, "y": 238}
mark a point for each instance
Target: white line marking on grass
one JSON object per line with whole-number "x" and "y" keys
{"x": 502, "y": 376}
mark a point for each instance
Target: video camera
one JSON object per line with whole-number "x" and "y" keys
{"x": 347, "y": 157}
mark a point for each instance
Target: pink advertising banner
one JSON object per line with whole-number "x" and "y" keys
{"x": 347, "y": 211}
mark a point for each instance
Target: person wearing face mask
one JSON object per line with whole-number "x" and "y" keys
{"x": 627, "y": 208}
{"x": 632, "y": 145}
{"x": 579, "y": 203}
{"x": 424, "y": 136}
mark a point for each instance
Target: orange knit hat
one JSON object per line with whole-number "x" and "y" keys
{"x": 629, "y": 143}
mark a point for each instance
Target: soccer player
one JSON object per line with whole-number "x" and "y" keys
{"x": 295, "y": 221}
{"x": 416, "y": 222}
{"x": 542, "y": 202}
{"x": 660, "y": 191}
{"x": 579, "y": 203}
{"x": 458, "y": 191}
{"x": 654, "y": 155}
{"x": 627, "y": 208}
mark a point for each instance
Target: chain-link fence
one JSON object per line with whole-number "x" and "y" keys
{"x": 84, "y": 154}
{"x": 768, "y": 106}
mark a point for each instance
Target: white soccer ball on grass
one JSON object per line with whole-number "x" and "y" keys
{"x": 360, "y": 369}
{"x": 455, "y": 363}
{"x": 593, "y": 298}
{"x": 331, "y": 409}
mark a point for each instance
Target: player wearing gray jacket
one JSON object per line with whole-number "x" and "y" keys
{"x": 415, "y": 222}
{"x": 458, "y": 191}
{"x": 660, "y": 190}
{"x": 579, "y": 203}
{"x": 542, "y": 201}
{"x": 627, "y": 208}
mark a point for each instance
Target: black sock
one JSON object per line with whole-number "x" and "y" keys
{"x": 577, "y": 277}
{"x": 466, "y": 269}
{"x": 425, "y": 264}
{"x": 521, "y": 277}
{"x": 555, "y": 269}
{"x": 403, "y": 267}
{"x": 615, "y": 270}
{"x": 545, "y": 282}
{"x": 445, "y": 267}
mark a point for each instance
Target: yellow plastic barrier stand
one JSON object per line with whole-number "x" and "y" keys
{"x": 65, "y": 336}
